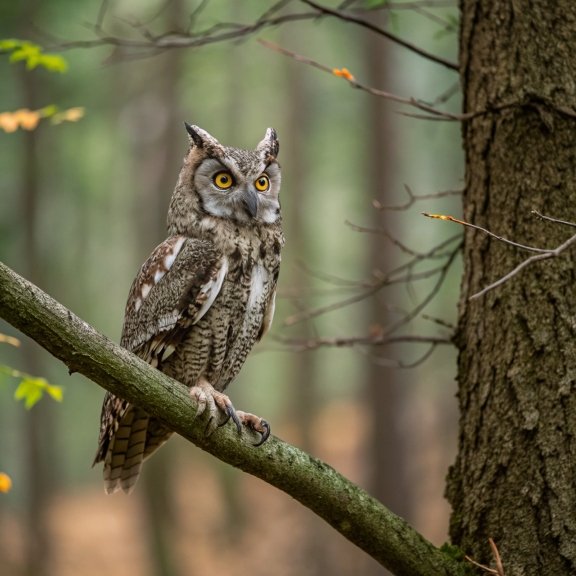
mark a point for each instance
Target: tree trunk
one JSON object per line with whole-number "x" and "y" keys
{"x": 38, "y": 423}
{"x": 386, "y": 389}
{"x": 515, "y": 473}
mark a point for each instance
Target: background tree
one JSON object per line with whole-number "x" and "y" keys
{"x": 514, "y": 476}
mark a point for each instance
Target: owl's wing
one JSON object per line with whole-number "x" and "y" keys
{"x": 173, "y": 290}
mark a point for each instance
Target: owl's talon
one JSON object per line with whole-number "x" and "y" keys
{"x": 216, "y": 403}
{"x": 256, "y": 424}
{"x": 231, "y": 413}
{"x": 265, "y": 434}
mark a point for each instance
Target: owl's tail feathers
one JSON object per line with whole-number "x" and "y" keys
{"x": 125, "y": 454}
{"x": 133, "y": 439}
{"x": 123, "y": 460}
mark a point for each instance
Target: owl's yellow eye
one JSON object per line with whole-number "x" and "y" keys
{"x": 262, "y": 183}
{"x": 223, "y": 180}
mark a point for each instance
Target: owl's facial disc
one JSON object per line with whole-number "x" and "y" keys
{"x": 243, "y": 189}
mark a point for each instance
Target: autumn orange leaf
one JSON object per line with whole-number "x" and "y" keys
{"x": 29, "y": 119}
{"x": 5, "y": 482}
{"x": 23, "y": 118}
{"x": 343, "y": 73}
{"x": 8, "y": 122}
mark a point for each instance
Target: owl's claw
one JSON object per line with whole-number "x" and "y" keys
{"x": 256, "y": 424}
{"x": 231, "y": 413}
{"x": 218, "y": 405}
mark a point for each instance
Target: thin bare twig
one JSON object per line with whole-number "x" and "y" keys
{"x": 374, "y": 91}
{"x": 542, "y": 253}
{"x": 476, "y": 227}
{"x": 385, "y": 233}
{"x": 302, "y": 344}
{"x": 548, "y": 254}
{"x": 392, "y": 277}
{"x": 499, "y": 570}
{"x": 382, "y": 32}
{"x": 413, "y": 198}
{"x": 554, "y": 220}
{"x": 101, "y": 14}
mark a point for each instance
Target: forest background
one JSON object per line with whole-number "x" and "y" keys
{"x": 82, "y": 204}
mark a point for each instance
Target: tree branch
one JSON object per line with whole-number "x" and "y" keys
{"x": 381, "y": 31}
{"x": 354, "y": 513}
{"x": 541, "y": 253}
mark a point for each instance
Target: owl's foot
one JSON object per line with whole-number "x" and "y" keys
{"x": 256, "y": 424}
{"x": 217, "y": 404}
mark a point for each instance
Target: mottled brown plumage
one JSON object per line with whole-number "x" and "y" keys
{"x": 204, "y": 297}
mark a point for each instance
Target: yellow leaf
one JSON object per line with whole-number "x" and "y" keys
{"x": 54, "y": 391}
{"x": 5, "y": 482}
{"x": 70, "y": 115}
{"x": 5, "y": 339}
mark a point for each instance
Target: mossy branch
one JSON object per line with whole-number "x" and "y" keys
{"x": 354, "y": 513}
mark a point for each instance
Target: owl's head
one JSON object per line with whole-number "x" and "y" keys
{"x": 226, "y": 183}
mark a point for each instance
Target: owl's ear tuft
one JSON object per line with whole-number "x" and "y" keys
{"x": 200, "y": 138}
{"x": 193, "y": 133}
{"x": 269, "y": 146}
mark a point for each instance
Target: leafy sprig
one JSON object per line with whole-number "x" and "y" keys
{"x": 32, "y": 55}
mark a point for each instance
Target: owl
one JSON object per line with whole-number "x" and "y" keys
{"x": 204, "y": 296}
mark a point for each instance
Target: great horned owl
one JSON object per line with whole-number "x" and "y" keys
{"x": 204, "y": 297}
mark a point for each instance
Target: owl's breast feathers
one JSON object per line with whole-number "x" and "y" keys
{"x": 186, "y": 278}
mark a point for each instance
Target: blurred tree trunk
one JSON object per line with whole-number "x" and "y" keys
{"x": 39, "y": 430}
{"x": 515, "y": 473}
{"x": 304, "y": 400}
{"x": 163, "y": 153}
{"x": 386, "y": 387}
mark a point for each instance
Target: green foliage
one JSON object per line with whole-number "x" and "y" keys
{"x": 31, "y": 389}
{"x": 32, "y": 55}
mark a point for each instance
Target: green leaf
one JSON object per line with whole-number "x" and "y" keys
{"x": 53, "y": 63}
{"x": 55, "y": 392}
{"x": 30, "y": 390}
{"x": 32, "y": 55}
{"x": 7, "y": 45}
{"x": 48, "y": 111}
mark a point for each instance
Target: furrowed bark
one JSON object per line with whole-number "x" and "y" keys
{"x": 514, "y": 478}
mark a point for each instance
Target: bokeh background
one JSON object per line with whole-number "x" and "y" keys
{"x": 82, "y": 205}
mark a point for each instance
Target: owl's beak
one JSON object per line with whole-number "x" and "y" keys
{"x": 250, "y": 199}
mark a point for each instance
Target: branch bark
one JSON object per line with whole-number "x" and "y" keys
{"x": 354, "y": 513}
